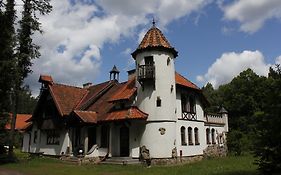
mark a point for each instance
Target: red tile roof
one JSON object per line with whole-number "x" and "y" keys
{"x": 94, "y": 104}
{"x": 66, "y": 97}
{"x": 155, "y": 39}
{"x": 22, "y": 122}
{"x": 181, "y": 80}
{"x": 87, "y": 116}
{"x": 125, "y": 114}
{"x": 125, "y": 92}
{"x": 46, "y": 79}
{"x": 93, "y": 94}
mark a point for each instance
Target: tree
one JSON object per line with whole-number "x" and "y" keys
{"x": 17, "y": 51}
{"x": 7, "y": 44}
{"x": 268, "y": 141}
{"x": 242, "y": 97}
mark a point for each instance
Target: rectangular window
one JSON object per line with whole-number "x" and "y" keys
{"x": 158, "y": 102}
{"x": 53, "y": 137}
{"x": 35, "y": 137}
{"x": 148, "y": 60}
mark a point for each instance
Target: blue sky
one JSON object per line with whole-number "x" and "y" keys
{"x": 216, "y": 39}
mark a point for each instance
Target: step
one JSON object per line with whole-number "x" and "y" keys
{"x": 121, "y": 161}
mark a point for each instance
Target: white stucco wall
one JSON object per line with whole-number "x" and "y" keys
{"x": 160, "y": 146}
{"x": 25, "y": 142}
{"x": 164, "y": 81}
{"x": 164, "y": 117}
{"x": 191, "y": 150}
{"x": 41, "y": 145}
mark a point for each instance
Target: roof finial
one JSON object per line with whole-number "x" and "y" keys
{"x": 153, "y": 22}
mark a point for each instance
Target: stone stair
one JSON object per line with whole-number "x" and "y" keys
{"x": 121, "y": 161}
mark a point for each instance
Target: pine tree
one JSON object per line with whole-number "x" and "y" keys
{"x": 16, "y": 53}
{"x": 268, "y": 141}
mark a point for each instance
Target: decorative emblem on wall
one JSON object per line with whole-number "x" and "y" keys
{"x": 162, "y": 131}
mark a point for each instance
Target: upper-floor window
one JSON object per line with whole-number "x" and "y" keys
{"x": 188, "y": 103}
{"x": 148, "y": 60}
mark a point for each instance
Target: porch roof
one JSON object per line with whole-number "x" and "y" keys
{"x": 87, "y": 116}
{"x": 125, "y": 114}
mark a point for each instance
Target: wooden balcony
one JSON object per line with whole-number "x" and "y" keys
{"x": 146, "y": 72}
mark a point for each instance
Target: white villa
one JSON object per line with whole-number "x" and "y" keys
{"x": 157, "y": 108}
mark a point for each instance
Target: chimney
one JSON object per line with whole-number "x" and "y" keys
{"x": 131, "y": 74}
{"x": 87, "y": 85}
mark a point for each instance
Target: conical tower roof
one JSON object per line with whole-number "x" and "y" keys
{"x": 154, "y": 40}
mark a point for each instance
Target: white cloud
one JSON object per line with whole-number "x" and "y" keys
{"x": 75, "y": 32}
{"x": 252, "y": 14}
{"x": 230, "y": 64}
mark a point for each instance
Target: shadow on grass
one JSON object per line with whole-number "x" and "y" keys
{"x": 237, "y": 173}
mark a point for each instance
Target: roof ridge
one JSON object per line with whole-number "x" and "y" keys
{"x": 67, "y": 85}
{"x": 97, "y": 96}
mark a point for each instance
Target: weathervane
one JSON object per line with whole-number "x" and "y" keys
{"x": 153, "y": 22}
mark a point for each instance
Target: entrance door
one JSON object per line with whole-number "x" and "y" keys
{"x": 124, "y": 141}
{"x": 91, "y": 137}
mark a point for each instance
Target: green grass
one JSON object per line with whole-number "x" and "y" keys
{"x": 219, "y": 166}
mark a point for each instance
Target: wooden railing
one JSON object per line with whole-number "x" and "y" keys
{"x": 189, "y": 115}
{"x": 146, "y": 72}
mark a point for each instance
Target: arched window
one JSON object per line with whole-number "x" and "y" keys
{"x": 208, "y": 136}
{"x": 196, "y": 136}
{"x": 213, "y": 136}
{"x": 183, "y": 140}
{"x": 189, "y": 130}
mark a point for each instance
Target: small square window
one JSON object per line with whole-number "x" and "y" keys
{"x": 158, "y": 102}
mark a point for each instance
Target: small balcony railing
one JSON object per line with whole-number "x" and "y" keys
{"x": 146, "y": 72}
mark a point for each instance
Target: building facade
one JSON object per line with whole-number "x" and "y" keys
{"x": 156, "y": 109}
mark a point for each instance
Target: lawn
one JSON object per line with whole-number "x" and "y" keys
{"x": 220, "y": 166}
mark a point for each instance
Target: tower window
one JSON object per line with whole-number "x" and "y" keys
{"x": 158, "y": 102}
{"x": 168, "y": 61}
{"x": 148, "y": 60}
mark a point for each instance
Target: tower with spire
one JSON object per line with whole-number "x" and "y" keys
{"x": 155, "y": 71}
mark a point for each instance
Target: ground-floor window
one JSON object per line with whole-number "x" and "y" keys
{"x": 196, "y": 136}
{"x": 53, "y": 137}
{"x": 213, "y": 136}
{"x": 183, "y": 140}
{"x": 189, "y": 132}
{"x": 208, "y": 136}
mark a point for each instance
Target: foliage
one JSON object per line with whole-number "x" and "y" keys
{"x": 16, "y": 52}
{"x": 242, "y": 97}
{"x": 238, "y": 165}
{"x": 268, "y": 141}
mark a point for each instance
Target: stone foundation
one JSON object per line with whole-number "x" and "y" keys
{"x": 215, "y": 151}
{"x": 178, "y": 160}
